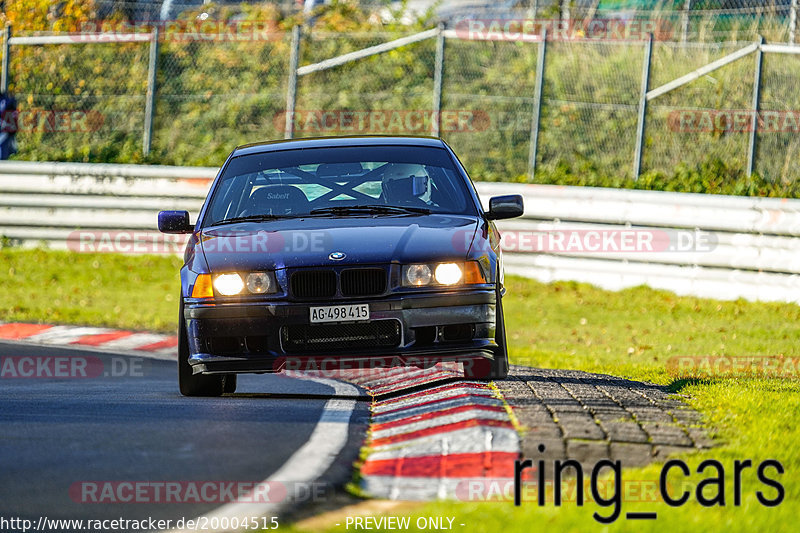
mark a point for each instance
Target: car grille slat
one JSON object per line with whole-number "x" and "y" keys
{"x": 335, "y": 337}
{"x": 352, "y": 282}
{"x": 363, "y": 281}
{"x": 314, "y": 284}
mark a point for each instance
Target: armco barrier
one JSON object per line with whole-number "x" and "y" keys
{"x": 752, "y": 251}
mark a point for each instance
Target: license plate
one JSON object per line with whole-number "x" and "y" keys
{"x": 339, "y": 313}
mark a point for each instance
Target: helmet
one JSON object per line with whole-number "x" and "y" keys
{"x": 405, "y": 183}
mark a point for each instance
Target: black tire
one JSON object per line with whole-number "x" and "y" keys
{"x": 500, "y": 362}
{"x": 229, "y": 387}
{"x": 194, "y": 384}
{"x": 497, "y": 368}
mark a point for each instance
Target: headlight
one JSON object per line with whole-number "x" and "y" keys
{"x": 417, "y": 275}
{"x": 448, "y": 273}
{"x": 229, "y": 284}
{"x": 259, "y": 283}
{"x": 468, "y": 273}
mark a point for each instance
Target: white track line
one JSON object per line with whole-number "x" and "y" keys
{"x": 308, "y": 463}
{"x": 162, "y": 355}
{"x": 460, "y": 441}
{"x": 65, "y": 334}
{"x": 461, "y": 416}
{"x": 133, "y": 341}
{"x": 407, "y": 403}
{"x": 426, "y": 489}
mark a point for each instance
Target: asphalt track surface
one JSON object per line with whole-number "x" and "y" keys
{"x": 56, "y": 433}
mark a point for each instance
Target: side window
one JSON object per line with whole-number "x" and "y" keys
{"x": 230, "y": 200}
{"x": 444, "y": 193}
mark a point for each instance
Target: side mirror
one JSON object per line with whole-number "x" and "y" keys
{"x": 509, "y": 206}
{"x": 174, "y": 222}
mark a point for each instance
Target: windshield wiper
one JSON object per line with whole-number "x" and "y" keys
{"x": 250, "y": 218}
{"x": 370, "y": 209}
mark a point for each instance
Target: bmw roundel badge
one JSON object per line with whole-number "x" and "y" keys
{"x": 336, "y": 256}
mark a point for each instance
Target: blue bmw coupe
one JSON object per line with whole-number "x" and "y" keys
{"x": 349, "y": 252}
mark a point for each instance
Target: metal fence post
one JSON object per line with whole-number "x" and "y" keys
{"x": 792, "y": 21}
{"x": 751, "y": 154}
{"x": 6, "y": 56}
{"x": 537, "y": 106}
{"x": 685, "y": 21}
{"x": 640, "y": 128}
{"x": 150, "y": 103}
{"x": 438, "y": 73}
{"x": 291, "y": 90}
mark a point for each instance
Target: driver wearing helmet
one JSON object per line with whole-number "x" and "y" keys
{"x": 406, "y": 184}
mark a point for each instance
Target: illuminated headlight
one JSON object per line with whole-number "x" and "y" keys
{"x": 448, "y": 273}
{"x": 229, "y": 284}
{"x": 417, "y": 275}
{"x": 468, "y": 273}
{"x": 259, "y": 283}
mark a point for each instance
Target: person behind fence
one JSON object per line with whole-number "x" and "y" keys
{"x": 8, "y": 126}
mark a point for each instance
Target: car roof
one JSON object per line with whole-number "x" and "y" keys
{"x": 331, "y": 142}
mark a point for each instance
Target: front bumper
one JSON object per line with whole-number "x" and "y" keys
{"x": 253, "y": 336}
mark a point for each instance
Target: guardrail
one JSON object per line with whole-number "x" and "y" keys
{"x": 705, "y": 245}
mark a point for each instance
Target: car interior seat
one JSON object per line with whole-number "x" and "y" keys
{"x": 277, "y": 200}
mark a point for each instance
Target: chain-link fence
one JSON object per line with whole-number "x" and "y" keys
{"x": 212, "y": 96}
{"x": 79, "y": 101}
{"x": 84, "y": 100}
{"x": 389, "y": 86}
{"x": 672, "y": 144}
{"x": 691, "y": 20}
{"x": 589, "y": 116}
{"x": 493, "y": 84}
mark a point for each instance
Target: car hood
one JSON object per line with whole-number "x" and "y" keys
{"x": 306, "y": 242}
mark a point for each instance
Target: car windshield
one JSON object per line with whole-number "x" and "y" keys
{"x": 342, "y": 181}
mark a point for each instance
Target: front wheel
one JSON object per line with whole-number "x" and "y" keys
{"x": 230, "y": 384}
{"x": 194, "y": 384}
{"x": 497, "y": 368}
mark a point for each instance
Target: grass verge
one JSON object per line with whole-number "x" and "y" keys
{"x": 89, "y": 289}
{"x": 631, "y": 333}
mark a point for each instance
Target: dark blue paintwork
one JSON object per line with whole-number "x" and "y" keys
{"x": 383, "y": 241}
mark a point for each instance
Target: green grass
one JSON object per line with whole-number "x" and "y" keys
{"x": 89, "y": 289}
{"x": 631, "y": 333}
{"x": 754, "y": 419}
{"x": 635, "y": 331}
